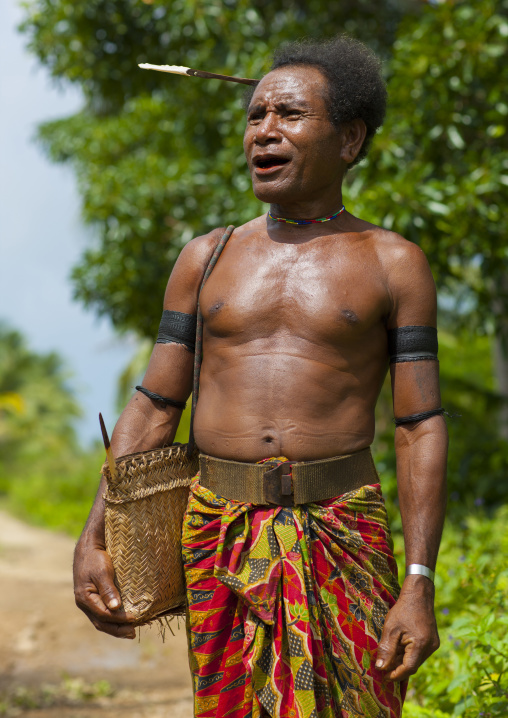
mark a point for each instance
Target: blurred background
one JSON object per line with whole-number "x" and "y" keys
{"x": 108, "y": 170}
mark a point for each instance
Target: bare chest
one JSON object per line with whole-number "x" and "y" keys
{"x": 322, "y": 291}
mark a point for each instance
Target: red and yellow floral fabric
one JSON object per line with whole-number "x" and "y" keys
{"x": 286, "y": 607}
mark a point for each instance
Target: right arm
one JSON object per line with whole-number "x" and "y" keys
{"x": 143, "y": 425}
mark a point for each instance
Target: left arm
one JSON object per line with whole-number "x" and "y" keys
{"x": 410, "y": 632}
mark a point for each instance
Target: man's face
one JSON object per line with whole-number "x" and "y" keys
{"x": 292, "y": 148}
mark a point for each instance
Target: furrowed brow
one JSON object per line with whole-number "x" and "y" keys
{"x": 258, "y": 107}
{"x": 281, "y": 105}
{"x": 297, "y": 102}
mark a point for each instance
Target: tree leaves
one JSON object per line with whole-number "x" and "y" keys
{"x": 448, "y": 114}
{"x": 159, "y": 159}
{"x": 37, "y": 408}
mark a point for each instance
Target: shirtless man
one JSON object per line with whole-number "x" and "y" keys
{"x": 296, "y": 319}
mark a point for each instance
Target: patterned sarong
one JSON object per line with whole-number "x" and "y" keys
{"x": 286, "y": 607}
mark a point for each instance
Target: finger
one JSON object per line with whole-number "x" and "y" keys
{"x": 108, "y": 591}
{"x": 115, "y": 629}
{"x": 88, "y": 600}
{"x": 95, "y": 608}
{"x": 389, "y": 652}
{"x": 412, "y": 660}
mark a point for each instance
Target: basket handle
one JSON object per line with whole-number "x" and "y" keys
{"x": 198, "y": 356}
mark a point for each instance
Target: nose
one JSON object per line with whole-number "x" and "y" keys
{"x": 268, "y": 131}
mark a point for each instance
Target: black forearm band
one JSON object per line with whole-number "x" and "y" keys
{"x": 163, "y": 399}
{"x": 419, "y": 417}
{"x": 179, "y": 328}
{"x": 412, "y": 343}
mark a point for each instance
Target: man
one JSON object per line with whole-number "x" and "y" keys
{"x": 287, "y": 599}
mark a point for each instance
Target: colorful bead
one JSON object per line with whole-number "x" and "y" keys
{"x": 307, "y": 221}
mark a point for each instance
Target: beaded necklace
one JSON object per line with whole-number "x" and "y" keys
{"x": 306, "y": 221}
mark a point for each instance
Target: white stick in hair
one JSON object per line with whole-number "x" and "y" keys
{"x": 180, "y": 70}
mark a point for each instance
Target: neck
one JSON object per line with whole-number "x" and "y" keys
{"x": 313, "y": 209}
{"x": 300, "y": 222}
{"x": 300, "y": 215}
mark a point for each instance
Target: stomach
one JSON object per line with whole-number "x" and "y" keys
{"x": 261, "y": 401}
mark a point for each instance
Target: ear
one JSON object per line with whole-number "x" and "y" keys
{"x": 353, "y": 136}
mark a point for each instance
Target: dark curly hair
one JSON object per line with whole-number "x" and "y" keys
{"x": 356, "y": 88}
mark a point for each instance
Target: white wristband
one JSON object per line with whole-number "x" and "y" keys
{"x": 417, "y": 568}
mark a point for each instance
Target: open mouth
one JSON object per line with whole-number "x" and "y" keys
{"x": 266, "y": 163}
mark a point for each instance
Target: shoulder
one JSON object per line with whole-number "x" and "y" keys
{"x": 408, "y": 279}
{"x": 391, "y": 248}
{"x": 196, "y": 253}
{"x": 398, "y": 258}
{"x": 404, "y": 262}
{"x": 185, "y": 280}
{"x": 394, "y": 251}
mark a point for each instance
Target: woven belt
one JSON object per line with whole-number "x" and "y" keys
{"x": 287, "y": 483}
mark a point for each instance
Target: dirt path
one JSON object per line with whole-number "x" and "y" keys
{"x": 54, "y": 664}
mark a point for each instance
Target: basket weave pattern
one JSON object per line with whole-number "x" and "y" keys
{"x": 144, "y": 511}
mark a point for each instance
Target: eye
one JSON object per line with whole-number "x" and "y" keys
{"x": 254, "y": 117}
{"x": 293, "y": 114}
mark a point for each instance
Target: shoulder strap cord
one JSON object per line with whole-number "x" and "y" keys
{"x": 198, "y": 356}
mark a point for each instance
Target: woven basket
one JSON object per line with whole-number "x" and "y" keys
{"x": 144, "y": 511}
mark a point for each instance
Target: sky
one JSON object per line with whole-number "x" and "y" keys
{"x": 42, "y": 236}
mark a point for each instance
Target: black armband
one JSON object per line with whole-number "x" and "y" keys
{"x": 419, "y": 417}
{"x": 412, "y": 344}
{"x": 163, "y": 399}
{"x": 179, "y": 328}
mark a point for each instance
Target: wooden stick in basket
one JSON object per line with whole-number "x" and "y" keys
{"x": 179, "y": 70}
{"x": 109, "y": 452}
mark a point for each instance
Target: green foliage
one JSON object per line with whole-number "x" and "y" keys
{"x": 37, "y": 408}
{"x": 132, "y": 374}
{"x": 478, "y": 458}
{"x": 56, "y": 491}
{"x": 97, "y": 44}
{"x": 70, "y": 692}
{"x": 155, "y": 169}
{"x": 438, "y": 172}
{"x": 44, "y": 475}
{"x": 468, "y": 676}
{"x": 159, "y": 158}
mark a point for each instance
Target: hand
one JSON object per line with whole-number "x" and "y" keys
{"x": 96, "y": 594}
{"x": 410, "y": 633}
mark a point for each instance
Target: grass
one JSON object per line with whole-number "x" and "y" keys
{"x": 56, "y": 493}
{"x": 70, "y": 692}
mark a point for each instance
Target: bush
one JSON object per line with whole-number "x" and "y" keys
{"x": 468, "y": 675}
{"x": 56, "y": 491}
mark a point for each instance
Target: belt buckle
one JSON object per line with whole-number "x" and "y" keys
{"x": 278, "y": 484}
